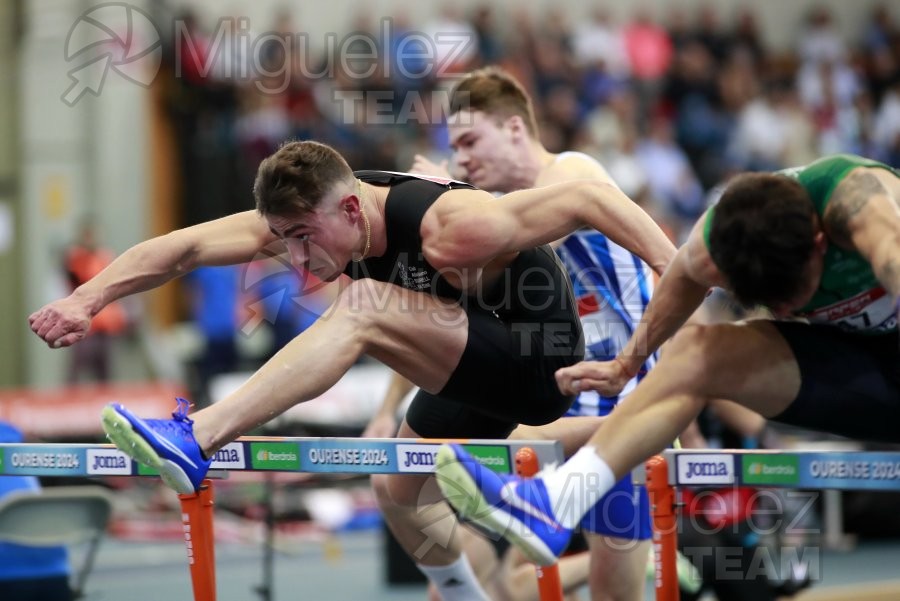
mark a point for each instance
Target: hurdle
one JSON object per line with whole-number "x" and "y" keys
{"x": 549, "y": 582}
{"x": 335, "y": 455}
{"x": 811, "y": 470}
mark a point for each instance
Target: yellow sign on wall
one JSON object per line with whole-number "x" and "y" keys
{"x": 55, "y": 197}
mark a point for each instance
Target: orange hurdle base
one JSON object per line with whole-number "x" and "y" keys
{"x": 197, "y": 522}
{"x": 549, "y": 583}
{"x": 665, "y": 542}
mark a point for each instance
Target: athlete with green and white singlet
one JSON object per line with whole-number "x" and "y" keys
{"x": 819, "y": 246}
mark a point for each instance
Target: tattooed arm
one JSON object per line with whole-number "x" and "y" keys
{"x": 864, "y": 215}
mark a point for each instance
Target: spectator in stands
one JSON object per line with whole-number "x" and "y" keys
{"x": 887, "y": 125}
{"x": 649, "y": 52}
{"x": 85, "y": 259}
{"x": 672, "y": 181}
{"x": 215, "y": 296}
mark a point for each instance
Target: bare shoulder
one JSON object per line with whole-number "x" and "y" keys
{"x": 866, "y": 195}
{"x": 458, "y": 198}
{"x": 457, "y": 202}
{"x": 572, "y": 166}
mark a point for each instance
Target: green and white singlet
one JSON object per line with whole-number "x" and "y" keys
{"x": 849, "y": 295}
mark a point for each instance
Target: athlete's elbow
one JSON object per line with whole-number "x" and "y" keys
{"x": 172, "y": 254}
{"x": 660, "y": 263}
{"x": 595, "y": 195}
{"x": 583, "y": 203}
{"x": 439, "y": 254}
{"x": 450, "y": 253}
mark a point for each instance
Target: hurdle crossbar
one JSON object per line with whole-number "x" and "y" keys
{"x": 823, "y": 470}
{"x": 274, "y": 454}
{"x": 266, "y": 454}
{"x": 817, "y": 470}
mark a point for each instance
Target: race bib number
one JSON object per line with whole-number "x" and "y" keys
{"x": 869, "y": 311}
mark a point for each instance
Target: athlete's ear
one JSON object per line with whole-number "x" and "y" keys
{"x": 516, "y": 126}
{"x": 820, "y": 242}
{"x": 349, "y": 205}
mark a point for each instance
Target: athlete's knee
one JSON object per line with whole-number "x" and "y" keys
{"x": 362, "y": 303}
{"x": 381, "y": 488}
{"x": 390, "y": 490}
{"x": 361, "y": 297}
{"x": 393, "y": 490}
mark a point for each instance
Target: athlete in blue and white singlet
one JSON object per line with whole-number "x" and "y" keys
{"x": 612, "y": 287}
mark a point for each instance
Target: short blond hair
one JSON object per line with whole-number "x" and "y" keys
{"x": 495, "y": 92}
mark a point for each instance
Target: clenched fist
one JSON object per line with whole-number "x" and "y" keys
{"x": 61, "y": 323}
{"x": 606, "y": 377}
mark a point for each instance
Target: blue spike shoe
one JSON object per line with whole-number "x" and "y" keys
{"x": 166, "y": 445}
{"x": 516, "y": 508}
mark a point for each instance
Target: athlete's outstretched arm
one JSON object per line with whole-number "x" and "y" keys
{"x": 149, "y": 264}
{"x": 469, "y": 228}
{"x": 680, "y": 291}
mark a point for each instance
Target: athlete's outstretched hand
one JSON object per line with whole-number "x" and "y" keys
{"x": 606, "y": 377}
{"x": 61, "y": 323}
{"x": 425, "y": 166}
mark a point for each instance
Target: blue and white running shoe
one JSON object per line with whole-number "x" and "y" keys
{"x": 516, "y": 508}
{"x": 166, "y": 445}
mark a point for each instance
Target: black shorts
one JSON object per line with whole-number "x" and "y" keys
{"x": 850, "y": 383}
{"x": 505, "y": 377}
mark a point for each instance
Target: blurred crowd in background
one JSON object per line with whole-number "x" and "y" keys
{"x": 671, "y": 107}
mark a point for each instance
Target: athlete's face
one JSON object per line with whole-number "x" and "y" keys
{"x": 486, "y": 148}
{"x": 812, "y": 277}
{"x": 322, "y": 242}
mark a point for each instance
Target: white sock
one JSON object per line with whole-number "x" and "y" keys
{"x": 577, "y": 485}
{"x": 455, "y": 582}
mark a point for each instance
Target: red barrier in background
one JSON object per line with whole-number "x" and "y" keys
{"x": 75, "y": 410}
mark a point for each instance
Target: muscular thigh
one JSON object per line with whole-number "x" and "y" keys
{"x": 749, "y": 363}
{"x": 419, "y": 335}
{"x": 507, "y": 369}
{"x": 503, "y": 367}
{"x": 433, "y": 416}
{"x": 807, "y": 375}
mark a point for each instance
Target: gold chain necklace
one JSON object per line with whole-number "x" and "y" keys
{"x": 362, "y": 212}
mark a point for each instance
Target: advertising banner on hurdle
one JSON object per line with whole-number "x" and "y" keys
{"x": 771, "y": 469}
{"x": 857, "y": 470}
{"x": 312, "y": 455}
{"x": 30, "y": 461}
